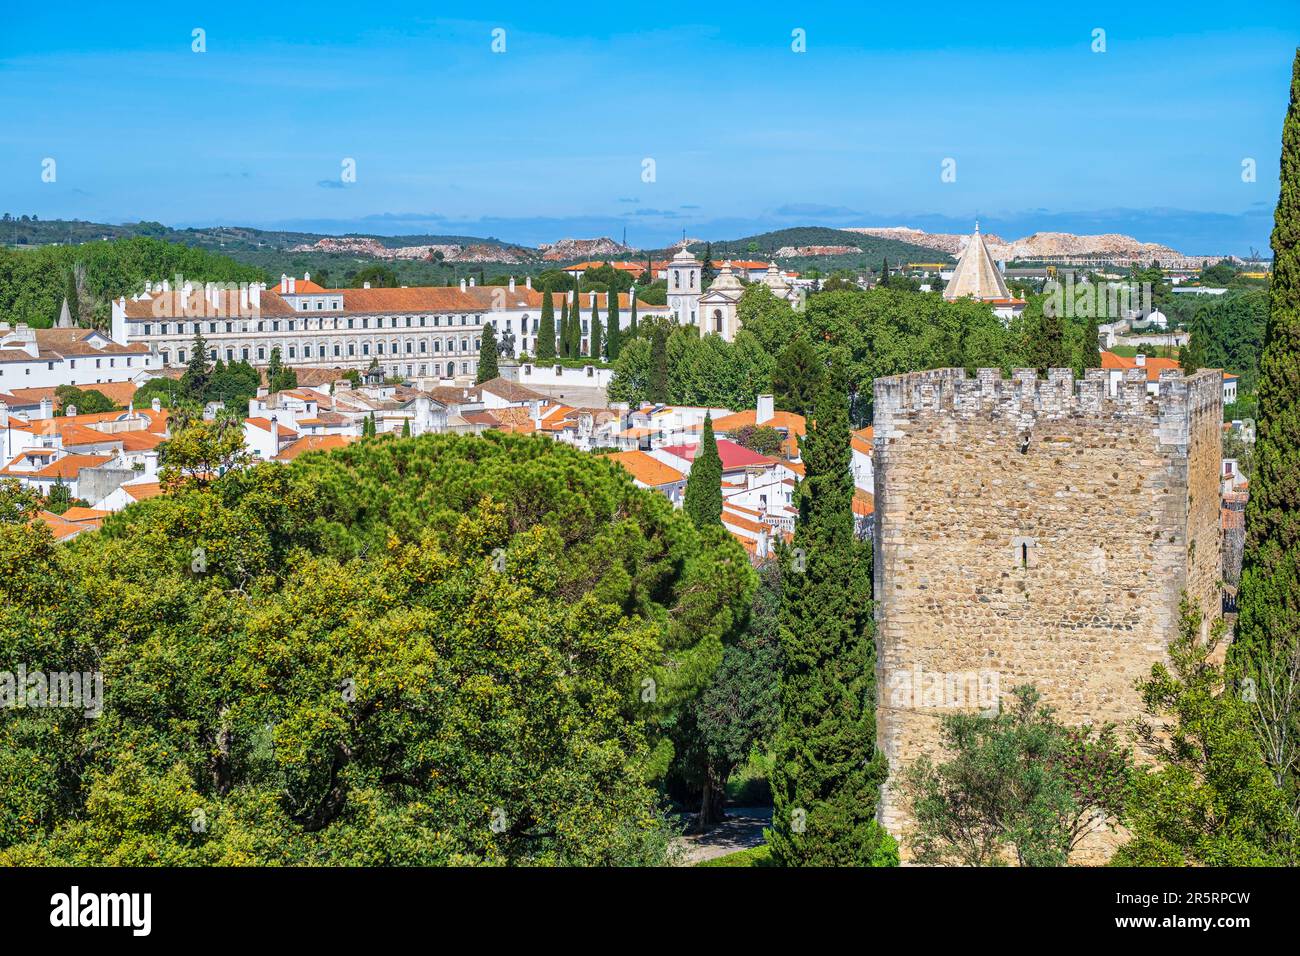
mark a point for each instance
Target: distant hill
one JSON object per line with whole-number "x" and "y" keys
{"x": 439, "y": 259}
{"x": 33, "y": 232}
{"x": 821, "y": 247}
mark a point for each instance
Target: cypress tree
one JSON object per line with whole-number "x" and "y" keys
{"x": 1091, "y": 355}
{"x": 194, "y": 383}
{"x": 1049, "y": 348}
{"x": 487, "y": 355}
{"x": 1269, "y": 597}
{"x": 406, "y": 428}
{"x": 575, "y": 327}
{"x": 546, "y": 333}
{"x": 827, "y": 772}
{"x": 659, "y": 366}
{"x": 564, "y": 326}
{"x": 707, "y": 272}
{"x": 884, "y": 272}
{"x": 72, "y": 295}
{"x": 703, "y": 501}
{"x": 613, "y": 334}
{"x": 597, "y": 336}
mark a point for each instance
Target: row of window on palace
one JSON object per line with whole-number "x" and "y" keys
{"x": 291, "y": 352}
{"x": 291, "y": 325}
{"x": 216, "y": 328}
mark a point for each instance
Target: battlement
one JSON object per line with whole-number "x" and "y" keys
{"x": 1027, "y": 399}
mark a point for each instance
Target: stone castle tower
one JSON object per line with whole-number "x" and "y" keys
{"x": 1036, "y": 532}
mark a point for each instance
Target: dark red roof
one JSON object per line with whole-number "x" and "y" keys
{"x": 733, "y": 456}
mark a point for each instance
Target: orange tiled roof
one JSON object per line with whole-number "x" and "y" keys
{"x": 69, "y": 466}
{"x": 645, "y": 469}
{"x": 1154, "y": 366}
{"x": 314, "y": 443}
{"x": 62, "y": 529}
{"x": 864, "y": 503}
{"x": 84, "y": 514}
{"x": 740, "y": 521}
{"x": 143, "y": 490}
{"x": 265, "y": 425}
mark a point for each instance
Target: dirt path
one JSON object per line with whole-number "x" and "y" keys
{"x": 742, "y": 830}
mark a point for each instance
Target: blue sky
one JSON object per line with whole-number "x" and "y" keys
{"x": 548, "y": 139}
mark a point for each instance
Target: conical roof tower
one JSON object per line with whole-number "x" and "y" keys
{"x": 977, "y": 276}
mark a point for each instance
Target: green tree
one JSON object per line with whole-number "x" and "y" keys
{"x": 199, "y": 451}
{"x": 703, "y": 499}
{"x": 707, "y": 272}
{"x": 487, "y": 355}
{"x": 17, "y": 502}
{"x": 546, "y": 331}
{"x": 379, "y": 277}
{"x": 575, "y": 346}
{"x": 827, "y": 771}
{"x": 1210, "y": 799}
{"x": 365, "y": 686}
{"x": 278, "y": 376}
{"x": 797, "y": 376}
{"x": 87, "y": 401}
{"x": 1269, "y": 597}
{"x": 1020, "y": 784}
{"x": 596, "y": 341}
{"x": 613, "y": 334}
{"x": 406, "y": 428}
{"x": 194, "y": 383}
{"x": 1047, "y": 347}
{"x": 59, "y": 499}
{"x": 738, "y": 711}
{"x": 763, "y": 439}
{"x": 566, "y": 335}
{"x": 658, "y": 384}
{"x": 1090, "y": 357}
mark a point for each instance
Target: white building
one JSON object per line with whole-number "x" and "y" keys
{"x": 48, "y": 358}
{"x": 409, "y": 332}
{"x": 684, "y": 288}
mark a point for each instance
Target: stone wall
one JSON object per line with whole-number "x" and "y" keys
{"x": 1036, "y": 532}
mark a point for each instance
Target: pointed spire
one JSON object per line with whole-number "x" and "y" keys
{"x": 976, "y": 276}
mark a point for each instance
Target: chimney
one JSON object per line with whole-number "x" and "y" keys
{"x": 293, "y": 285}
{"x": 255, "y": 295}
{"x": 462, "y": 285}
{"x": 156, "y": 405}
{"x": 284, "y": 283}
{"x": 471, "y": 282}
{"x": 1141, "y": 361}
{"x": 528, "y": 282}
{"x": 47, "y": 409}
{"x": 512, "y": 283}
{"x": 4, "y": 415}
{"x": 365, "y": 285}
{"x": 764, "y": 410}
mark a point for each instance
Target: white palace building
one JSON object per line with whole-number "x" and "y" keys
{"x": 410, "y": 332}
